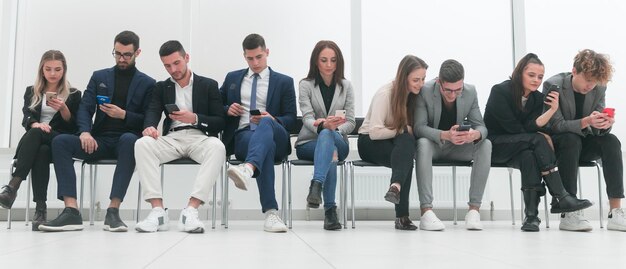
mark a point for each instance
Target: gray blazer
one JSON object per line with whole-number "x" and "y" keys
{"x": 564, "y": 119}
{"x": 312, "y": 107}
{"x": 428, "y": 111}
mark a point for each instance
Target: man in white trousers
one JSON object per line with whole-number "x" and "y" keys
{"x": 194, "y": 117}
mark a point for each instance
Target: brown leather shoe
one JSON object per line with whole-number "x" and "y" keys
{"x": 393, "y": 195}
{"x": 404, "y": 223}
{"x": 7, "y": 196}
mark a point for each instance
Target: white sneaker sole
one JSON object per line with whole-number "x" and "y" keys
{"x": 575, "y": 229}
{"x": 237, "y": 178}
{"x": 118, "y": 229}
{"x": 613, "y": 227}
{"x": 159, "y": 228}
{"x": 64, "y": 228}
{"x": 275, "y": 230}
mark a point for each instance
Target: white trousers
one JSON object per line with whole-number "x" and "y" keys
{"x": 207, "y": 151}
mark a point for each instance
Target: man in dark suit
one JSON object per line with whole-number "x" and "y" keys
{"x": 112, "y": 134}
{"x": 261, "y": 107}
{"x": 443, "y": 105}
{"x": 194, "y": 117}
{"x": 581, "y": 132}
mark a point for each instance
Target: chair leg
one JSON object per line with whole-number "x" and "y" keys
{"x": 11, "y": 166}
{"x": 454, "y": 194}
{"x": 138, "y": 202}
{"x": 29, "y": 178}
{"x": 283, "y": 201}
{"x": 545, "y": 208}
{"x": 225, "y": 203}
{"x": 580, "y": 186}
{"x": 342, "y": 193}
{"x": 82, "y": 186}
{"x": 511, "y": 195}
{"x": 93, "y": 193}
{"x": 214, "y": 206}
{"x": 289, "y": 204}
{"x": 600, "y": 196}
{"x": 352, "y": 192}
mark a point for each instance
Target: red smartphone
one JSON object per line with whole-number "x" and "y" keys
{"x": 609, "y": 111}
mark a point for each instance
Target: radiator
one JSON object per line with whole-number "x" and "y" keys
{"x": 372, "y": 183}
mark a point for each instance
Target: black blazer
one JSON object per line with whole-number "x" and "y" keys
{"x": 57, "y": 123}
{"x": 502, "y": 115}
{"x": 207, "y": 104}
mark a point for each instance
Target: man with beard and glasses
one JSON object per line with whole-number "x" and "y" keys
{"x": 119, "y": 96}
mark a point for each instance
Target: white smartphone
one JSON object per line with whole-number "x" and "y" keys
{"x": 50, "y": 95}
{"x": 340, "y": 113}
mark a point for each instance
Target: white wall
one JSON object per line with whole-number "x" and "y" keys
{"x": 373, "y": 35}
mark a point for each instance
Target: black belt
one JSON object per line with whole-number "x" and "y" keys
{"x": 180, "y": 128}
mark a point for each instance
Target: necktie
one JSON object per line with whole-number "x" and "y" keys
{"x": 253, "y": 98}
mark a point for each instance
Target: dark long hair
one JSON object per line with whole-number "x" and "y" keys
{"x": 518, "y": 76}
{"x": 402, "y": 100}
{"x": 314, "y": 71}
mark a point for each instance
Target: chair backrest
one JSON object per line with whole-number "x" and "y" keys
{"x": 296, "y": 130}
{"x": 359, "y": 122}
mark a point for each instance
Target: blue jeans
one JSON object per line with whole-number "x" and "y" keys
{"x": 321, "y": 152}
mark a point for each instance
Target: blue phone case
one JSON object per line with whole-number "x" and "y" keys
{"x": 103, "y": 99}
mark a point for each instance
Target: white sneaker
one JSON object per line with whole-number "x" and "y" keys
{"x": 240, "y": 175}
{"x": 472, "y": 220}
{"x": 617, "y": 220}
{"x": 430, "y": 222}
{"x": 574, "y": 221}
{"x": 189, "y": 221}
{"x": 157, "y": 220}
{"x": 273, "y": 224}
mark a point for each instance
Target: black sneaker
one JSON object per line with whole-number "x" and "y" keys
{"x": 113, "y": 222}
{"x": 40, "y": 215}
{"x": 69, "y": 220}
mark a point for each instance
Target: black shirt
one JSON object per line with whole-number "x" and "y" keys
{"x": 448, "y": 116}
{"x": 328, "y": 92}
{"x": 120, "y": 94}
{"x": 580, "y": 102}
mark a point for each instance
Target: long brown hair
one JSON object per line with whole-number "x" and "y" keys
{"x": 518, "y": 76}
{"x": 314, "y": 71}
{"x": 402, "y": 100}
{"x": 63, "y": 89}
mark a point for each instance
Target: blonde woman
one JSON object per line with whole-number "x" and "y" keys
{"x": 49, "y": 109}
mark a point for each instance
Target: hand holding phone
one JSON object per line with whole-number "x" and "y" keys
{"x": 103, "y": 99}
{"x": 169, "y": 108}
{"x": 464, "y": 127}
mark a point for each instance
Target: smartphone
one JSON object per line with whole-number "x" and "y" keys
{"x": 464, "y": 127}
{"x": 609, "y": 111}
{"x": 169, "y": 108}
{"x": 255, "y": 112}
{"x": 103, "y": 99}
{"x": 50, "y": 95}
{"x": 340, "y": 113}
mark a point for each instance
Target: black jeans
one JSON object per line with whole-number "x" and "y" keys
{"x": 528, "y": 152}
{"x": 572, "y": 148}
{"x": 33, "y": 155}
{"x": 396, "y": 153}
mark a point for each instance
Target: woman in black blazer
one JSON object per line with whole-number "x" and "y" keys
{"x": 49, "y": 109}
{"x": 515, "y": 118}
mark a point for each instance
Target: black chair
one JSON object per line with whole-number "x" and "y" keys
{"x": 181, "y": 161}
{"x": 340, "y": 164}
{"x": 597, "y": 165}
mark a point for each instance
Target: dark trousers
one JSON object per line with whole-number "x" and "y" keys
{"x": 267, "y": 144}
{"x": 396, "y": 153}
{"x": 572, "y": 148}
{"x": 33, "y": 155}
{"x": 115, "y": 146}
{"x": 528, "y": 152}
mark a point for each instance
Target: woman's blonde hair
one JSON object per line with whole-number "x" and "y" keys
{"x": 41, "y": 83}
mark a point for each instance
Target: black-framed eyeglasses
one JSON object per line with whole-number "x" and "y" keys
{"x": 455, "y": 92}
{"x": 125, "y": 55}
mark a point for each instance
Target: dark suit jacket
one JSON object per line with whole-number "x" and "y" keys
{"x": 564, "y": 119}
{"x": 57, "y": 123}
{"x": 502, "y": 115}
{"x": 428, "y": 111}
{"x": 102, "y": 83}
{"x": 281, "y": 102}
{"x": 206, "y": 99}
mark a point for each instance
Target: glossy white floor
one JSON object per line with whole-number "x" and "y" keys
{"x": 373, "y": 244}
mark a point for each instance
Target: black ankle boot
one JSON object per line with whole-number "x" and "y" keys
{"x": 7, "y": 196}
{"x": 41, "y": 212}
{"x": 314, "y": 199}
{"x": 531, "y": 201}
{"x": 331, "y": 222}
{"x": 565, "y": 202}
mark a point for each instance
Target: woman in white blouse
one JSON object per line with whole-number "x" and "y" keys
{"x": 386, "y": 136}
